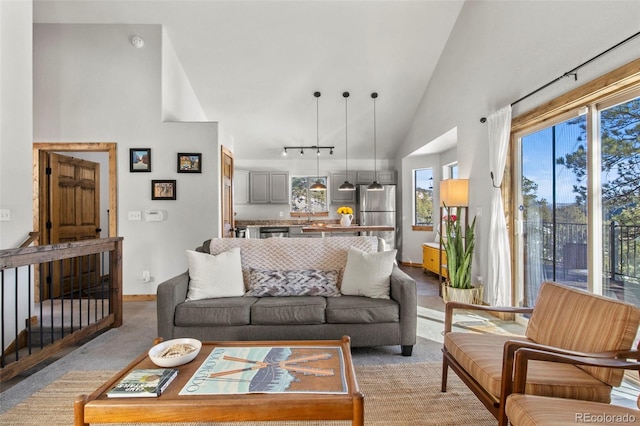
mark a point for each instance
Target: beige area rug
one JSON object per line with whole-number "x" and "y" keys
{"x": 395, "y": 395}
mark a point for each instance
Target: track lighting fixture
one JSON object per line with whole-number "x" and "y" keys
{"x": 315, "y": 148}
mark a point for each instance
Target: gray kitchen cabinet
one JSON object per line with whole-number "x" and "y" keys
{"x": 279, "y": 187}
{"x": 385, "y": 177}
{"x": 240, "y": 187}
{"x": 295, "y": 231}
{"x": 269, "y": 187}
{"x": 259, "y": 187}
{"x": 337, "y": 196}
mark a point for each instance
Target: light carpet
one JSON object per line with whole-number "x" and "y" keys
{"x": 395, "y": 395}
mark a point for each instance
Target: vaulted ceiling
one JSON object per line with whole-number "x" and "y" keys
{"x": 254, "y": 65}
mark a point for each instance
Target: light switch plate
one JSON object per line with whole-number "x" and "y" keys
{"x": 5, "y": 215}
{"x": 135, "y": 215}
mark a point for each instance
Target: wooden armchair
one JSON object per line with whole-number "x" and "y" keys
{"x": 564, "y": 320}
{"x": 529, "y": 410}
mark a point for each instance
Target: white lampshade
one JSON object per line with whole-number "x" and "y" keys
{"x": 454, "y": 192}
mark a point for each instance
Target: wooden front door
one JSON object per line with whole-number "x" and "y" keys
{"x": 226, "y": 177}
{"x": 73, "y": 214}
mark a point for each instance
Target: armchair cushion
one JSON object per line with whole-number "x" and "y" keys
{"x": 477, "y": 355}
{"x": 533, "y": 410}
{"x": 569, "y": 318}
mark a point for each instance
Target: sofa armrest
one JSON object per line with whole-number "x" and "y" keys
{"x": 169, "y": 294}
{"x": 451, "y": 306}
{"x": 403, "y": 291}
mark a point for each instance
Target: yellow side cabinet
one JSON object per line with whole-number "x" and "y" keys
{"x": 431, "y": 259}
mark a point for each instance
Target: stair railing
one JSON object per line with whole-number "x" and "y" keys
{"x": 37, "y": 318}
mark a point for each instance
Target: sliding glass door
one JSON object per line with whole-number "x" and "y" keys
{"x": 620, "y": 136}
{"x": 554, "y": 221}
{"x": 578, "y": 219}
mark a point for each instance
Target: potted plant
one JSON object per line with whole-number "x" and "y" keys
{"x": 459, "y": 245}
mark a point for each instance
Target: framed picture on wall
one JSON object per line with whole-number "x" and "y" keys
{"x": 163, "y": 190}
{"x": 189, "y": 162}
{"x": 139, "y": 160}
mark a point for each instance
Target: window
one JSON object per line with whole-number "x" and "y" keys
{"x": 450, "y": 171}
{"x": 306, "y": 201}
{"x": 423, "y": 198}
{"x": 575, "y": 182}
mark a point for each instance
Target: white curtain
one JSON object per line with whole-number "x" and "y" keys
{"x": 499, "y": 279}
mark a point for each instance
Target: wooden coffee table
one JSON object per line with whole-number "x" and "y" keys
{"x": 172, "y": 407}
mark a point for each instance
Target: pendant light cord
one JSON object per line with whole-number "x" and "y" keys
{"x": 346, "y": 136}
{"x": 374, "y": 95}
{"x": 318, "y": 137}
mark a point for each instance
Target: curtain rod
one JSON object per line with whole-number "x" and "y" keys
{"x": 572, "y": 72}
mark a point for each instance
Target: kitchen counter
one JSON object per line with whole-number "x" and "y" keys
{"x": 256, "y": 223}
{"x": 363, "y": 230}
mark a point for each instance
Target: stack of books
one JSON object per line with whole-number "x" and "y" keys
{"x": 145, "y": 382}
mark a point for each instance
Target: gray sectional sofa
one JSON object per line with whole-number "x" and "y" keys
{"x": 368, "y": 321}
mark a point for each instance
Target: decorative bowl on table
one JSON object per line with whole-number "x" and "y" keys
{"x": 175, "y": 352}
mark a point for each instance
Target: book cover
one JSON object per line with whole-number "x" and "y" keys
{"x": 148, "y": 382}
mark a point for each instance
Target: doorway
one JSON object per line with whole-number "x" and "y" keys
{"x": 226, "y": 179}
{"x": 43, "y": 157}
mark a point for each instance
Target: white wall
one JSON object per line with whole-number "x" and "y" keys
{"x": 500, "y": 51}
{"x": 16, "y": 133}
{"x": 92, "y": 85}
{"x": 16, "y": 125}
{"x": 179, "y": 102}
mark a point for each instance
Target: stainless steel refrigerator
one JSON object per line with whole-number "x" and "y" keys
{"x": 378, "y": 208}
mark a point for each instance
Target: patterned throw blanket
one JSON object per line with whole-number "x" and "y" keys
{"x": 326, "y": 254}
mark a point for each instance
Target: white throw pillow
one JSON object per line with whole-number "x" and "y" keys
{"x": 368, "y": 274}
{"x": 215, "y": 276}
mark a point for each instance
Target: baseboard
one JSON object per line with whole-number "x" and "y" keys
{"x": 138, "y": 297}
{"x": 411, "y": 264}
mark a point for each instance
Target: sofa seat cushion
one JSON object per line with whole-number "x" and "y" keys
{"x": 288, "y": 310}
{"x": 530, "y": 410}
{"x": 361, "y": 310}
{"x": 481, "y": 356}
{"x": 215, "y": 312}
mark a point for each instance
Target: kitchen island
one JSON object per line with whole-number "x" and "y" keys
{"x": 361, "y": 229}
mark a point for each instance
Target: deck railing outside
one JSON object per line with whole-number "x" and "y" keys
{"x": 564, "y": 248}
{"x": 559, "y": 252}
{"x": 53, "y": 296}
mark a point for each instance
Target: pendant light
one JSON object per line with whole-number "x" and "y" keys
{"x": 346, "y": 186}
{"x": 375, "y": 186}
{"x": 318, "y": 186}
